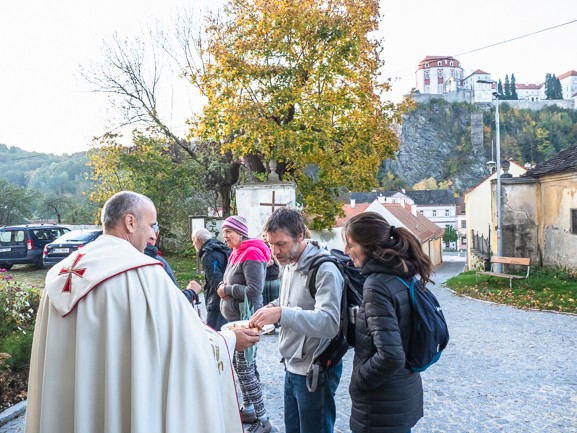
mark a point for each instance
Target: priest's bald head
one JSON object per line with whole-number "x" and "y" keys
{"x": 132, "y": 217}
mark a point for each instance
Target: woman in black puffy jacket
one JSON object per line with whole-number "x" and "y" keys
{"x": 387, "y": 397}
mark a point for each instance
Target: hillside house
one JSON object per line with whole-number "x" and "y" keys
{"x": 400, "y": 215}
{"x": 439, "y": 206}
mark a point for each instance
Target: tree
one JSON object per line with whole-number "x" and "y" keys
{"x": 298, "y": 82}
{"x": 147, "y": 167}
{"x": 500, "y": 87}
{"x": 553, "y": 89}
{"x": 514, "y": 95}
{"x": 450, "y": 234}
{"x": 507, "y": 88}
{"x": 16, "y": 203}
{"x": 134, "y": 71}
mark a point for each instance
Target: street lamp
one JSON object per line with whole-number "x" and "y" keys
{"x": 497, "y": 95}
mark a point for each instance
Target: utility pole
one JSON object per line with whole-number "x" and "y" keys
{"x": 498, "y": 155}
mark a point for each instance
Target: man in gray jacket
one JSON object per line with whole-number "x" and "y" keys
{"x": 307, "y": 323}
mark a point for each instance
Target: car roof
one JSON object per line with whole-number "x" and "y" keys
{"x": 33, "y": 226}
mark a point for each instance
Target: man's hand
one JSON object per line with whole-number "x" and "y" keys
{"x": 245, "y": 338}
{"x": 193, "y": 285}
{"x": 265, "y": 316}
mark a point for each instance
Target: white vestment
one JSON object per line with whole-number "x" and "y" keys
{"x": 118, "y": 349}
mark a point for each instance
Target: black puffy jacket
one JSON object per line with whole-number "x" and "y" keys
{"x": 387, "y": 397}
{"x": 214, "y": 255}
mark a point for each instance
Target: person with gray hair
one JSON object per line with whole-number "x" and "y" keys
{"x": 214, "y": 257}
{"x": 117, "y": 348}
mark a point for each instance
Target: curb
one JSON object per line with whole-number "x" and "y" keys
{"x": 12, "y": 412}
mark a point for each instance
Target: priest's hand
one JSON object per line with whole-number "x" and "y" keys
{"x": 245, "y": 338}
{"x": 193, "y": 285}
{"x": 268, "y": 315}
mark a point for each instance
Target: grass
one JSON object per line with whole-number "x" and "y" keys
{"x": 547, "y": 288}
{"x": 184, "y": 268}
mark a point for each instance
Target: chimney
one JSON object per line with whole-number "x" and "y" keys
{"x": 353, "y": 203}
{"x": 381, "y": 198}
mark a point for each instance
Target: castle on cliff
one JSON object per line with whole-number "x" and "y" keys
{"x": 444, "y": 76}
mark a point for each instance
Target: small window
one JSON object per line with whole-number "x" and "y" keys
{"x": 574, "y": 221}
{"x": 463, "y": 224}
{"x": 422, "y": 212}
{"x": 447, "y": 212}
{"x": 439, "y": 63}
{"x": 426, "y": 64}
{"x": 434, "y": 212}
{"x": 451, "y": 63}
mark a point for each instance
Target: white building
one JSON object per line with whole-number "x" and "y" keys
{"x": 481, "y": 84}
{"x": 568, "y": 82}
{"x": 439, "y": 74}
{"x": 530, "y": 91}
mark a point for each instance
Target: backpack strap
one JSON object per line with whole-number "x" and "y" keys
{"x": 314, "y": 268}
{"x": 411, "y": 287}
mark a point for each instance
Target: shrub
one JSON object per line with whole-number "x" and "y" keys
{"x": 18, "y": 307}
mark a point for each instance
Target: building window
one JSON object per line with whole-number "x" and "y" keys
{"x": 574, "y": 221}
{"x": 422, "y": 212}
{"x": 426, "y": 64}
{"x": 463, "y": 224}
{"x": 447, "y": 212}
{"x": 451, "y": 63}
{"x": 439, "y": 63}
{"x": 434, "y": 212}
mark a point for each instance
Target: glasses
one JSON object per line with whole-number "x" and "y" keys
{"x": 155, "y": 227}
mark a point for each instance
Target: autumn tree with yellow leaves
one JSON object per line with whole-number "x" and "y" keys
{"x": 298, "y": 81}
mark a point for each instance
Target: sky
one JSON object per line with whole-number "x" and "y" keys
{"x": 46, "y": 106}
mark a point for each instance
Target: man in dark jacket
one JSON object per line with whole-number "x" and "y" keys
{"x": 214, "y": 256}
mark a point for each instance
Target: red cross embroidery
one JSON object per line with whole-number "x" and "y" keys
{"x": 78, "y": 272}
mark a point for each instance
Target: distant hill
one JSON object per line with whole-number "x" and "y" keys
{"x": 54, "y": 175}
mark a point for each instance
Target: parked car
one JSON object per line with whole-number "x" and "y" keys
{"x": 67, "y": 244}
{"x": 22, "y": 244}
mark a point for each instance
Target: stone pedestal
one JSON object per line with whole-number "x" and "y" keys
{"x": 256, "y": 201}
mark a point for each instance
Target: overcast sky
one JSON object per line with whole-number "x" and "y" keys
{"x": 45, "y": 106}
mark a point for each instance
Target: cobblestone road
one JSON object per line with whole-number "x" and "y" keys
{"x": 505, "y": 370}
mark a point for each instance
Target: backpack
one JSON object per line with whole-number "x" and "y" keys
{"x": 350, "y": 302}
{"x": 429, "y": 333}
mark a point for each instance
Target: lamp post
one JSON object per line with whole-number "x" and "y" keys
{"x": 498, "y": 159}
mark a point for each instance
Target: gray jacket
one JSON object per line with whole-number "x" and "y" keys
{"x": 307, "y": 323}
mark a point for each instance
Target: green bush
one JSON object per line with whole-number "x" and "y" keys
{"x": 18, "y": 307}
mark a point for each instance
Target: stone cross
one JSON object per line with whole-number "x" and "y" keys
{"x": 272, "y": 203}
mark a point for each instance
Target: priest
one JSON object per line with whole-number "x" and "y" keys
{"x": 117, "y": 348}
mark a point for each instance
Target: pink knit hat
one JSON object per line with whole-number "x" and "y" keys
{"x": 236, "y": 223}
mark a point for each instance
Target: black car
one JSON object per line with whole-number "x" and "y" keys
{"x": 67, "y": 244}
{"x": 24, "y": 244}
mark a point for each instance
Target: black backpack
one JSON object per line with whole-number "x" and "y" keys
{"x": 429, "y": 333}
{"x": 350, "y": 302}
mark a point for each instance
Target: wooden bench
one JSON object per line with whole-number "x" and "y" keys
{"x": 507, "y": 261}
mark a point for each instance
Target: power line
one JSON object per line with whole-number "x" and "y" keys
{"x": 24, "y": 157}
{"x": 514, "y": 39}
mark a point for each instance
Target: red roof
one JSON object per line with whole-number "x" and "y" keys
{"x": 444, "y": 59}
{"x": 423, "y": 228}
{"x": 568, "y": 74}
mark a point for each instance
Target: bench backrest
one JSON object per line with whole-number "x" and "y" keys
{"x": 511, "y": 260}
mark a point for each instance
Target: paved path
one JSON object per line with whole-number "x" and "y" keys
{"x": 505, "y": 370}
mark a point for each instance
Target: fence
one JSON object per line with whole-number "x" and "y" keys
{"x": 481, "y": 244}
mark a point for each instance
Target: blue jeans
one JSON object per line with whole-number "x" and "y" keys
{"x": 311, "y": 412}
